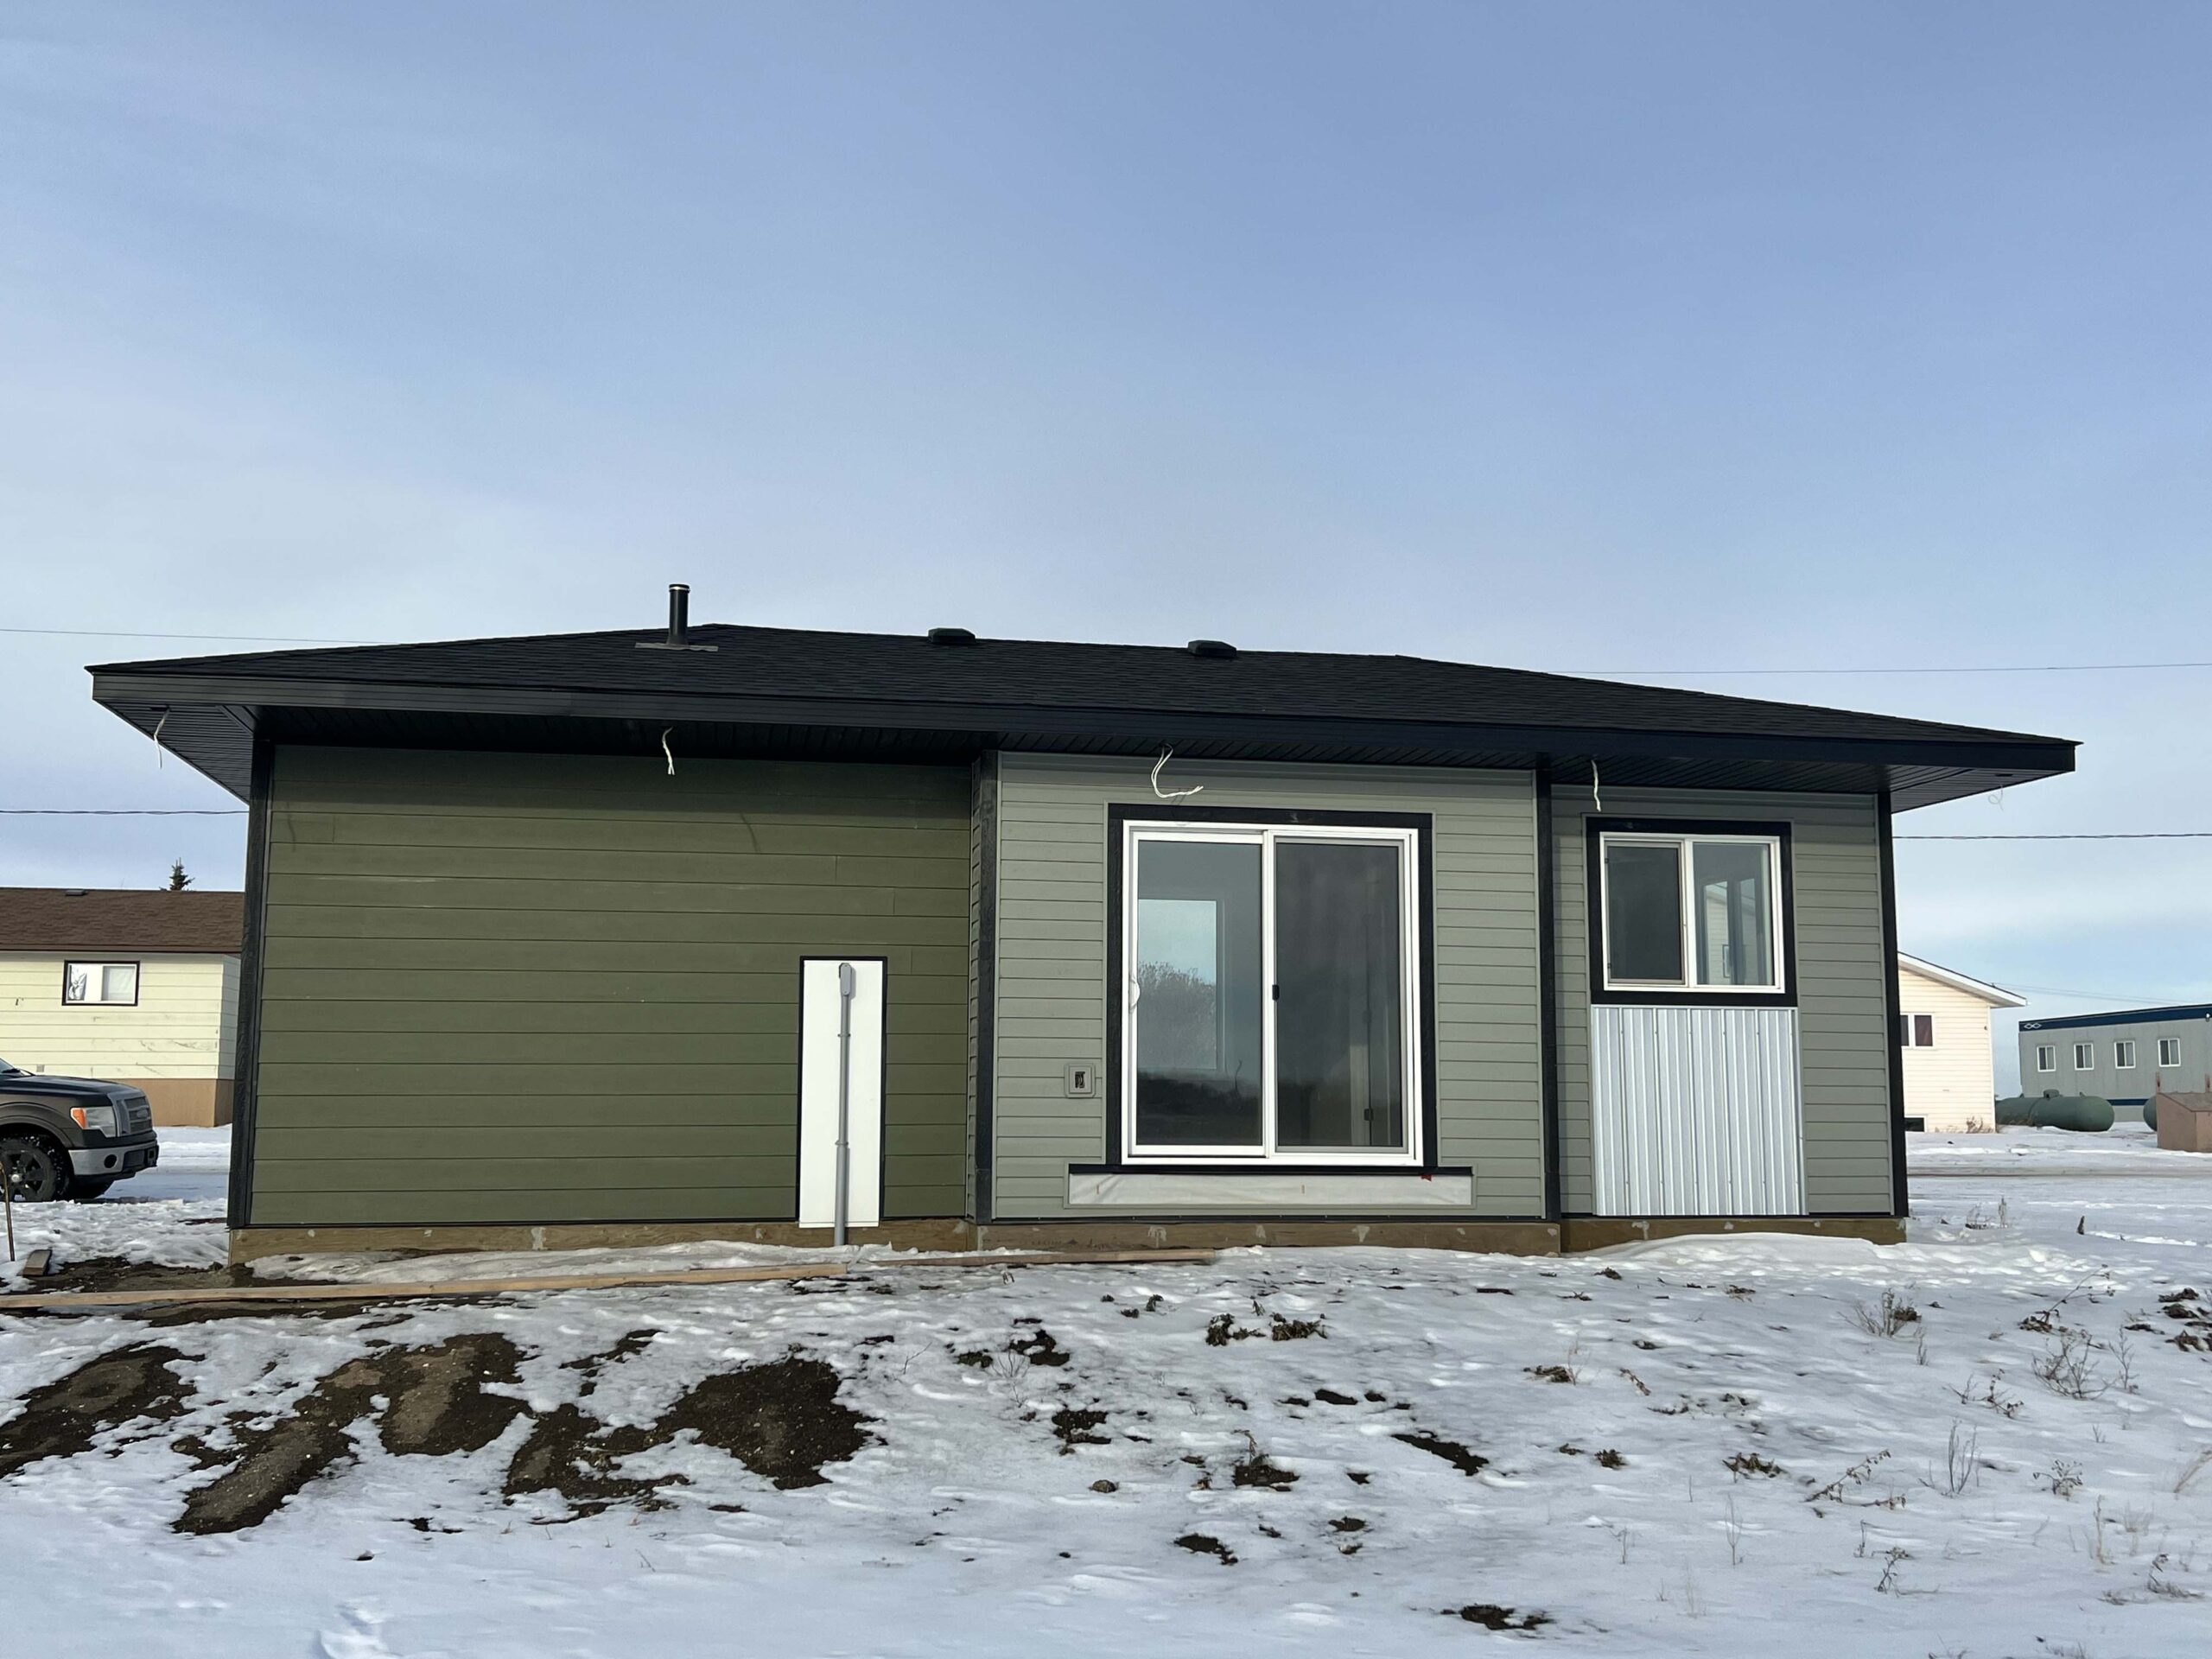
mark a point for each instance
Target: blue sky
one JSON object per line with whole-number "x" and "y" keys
{"x": 1613, "y": 337}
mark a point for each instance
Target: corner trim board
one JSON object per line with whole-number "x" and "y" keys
{"x": 1893, "y": 1005}
{"x": 245, "y": 1088}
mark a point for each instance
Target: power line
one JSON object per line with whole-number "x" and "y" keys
{"x": 123, "y": 812}
{"x": 2094, "y": 996}
{"x": 2125, "y": 835}
{"x": 234, "y": 639}
{"x": 1987, "y": 668}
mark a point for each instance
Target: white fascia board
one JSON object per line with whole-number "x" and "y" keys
{"x": 1995, "y": 995}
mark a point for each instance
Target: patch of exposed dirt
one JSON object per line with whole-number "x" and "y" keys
{"x": 1491, "y": 1616}
{"x": 1550, "y": 1373}
{"x": 113, "y": 1272}
{"x": 1258, "y": 1469}
{"x": 438, "y": 1405}
{"x": 1330, "y": 1398}
{"x": 1222, "y": 1330}
{"x": 435, "y": 1406}
{"x": 268, "y": 1463}
{"x": 1744, "y": 1464}
{"x": 782, "y": 1420}
{"x": 130, "y": 1385}
{"x": 1040, "y": 1349}
{"x": 574, "y": 1455}
{"x": 593, "y": 1365}
{"x": 1199, "y": 1543}
{"x": 1282, "y": 1330}
{"x": 1074, "y": 1427}
{"x": 1466, "y": 1462}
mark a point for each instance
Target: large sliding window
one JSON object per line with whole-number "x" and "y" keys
{"x": 1270, "y": 994}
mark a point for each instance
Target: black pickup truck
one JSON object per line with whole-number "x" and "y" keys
{"x": 71, "y": 1137}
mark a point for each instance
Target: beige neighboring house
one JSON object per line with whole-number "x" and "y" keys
{"x": 1951, "y": 1068}
{"x": 131, "y": 986}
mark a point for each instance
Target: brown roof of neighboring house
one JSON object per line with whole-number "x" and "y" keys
{"x": 133, "y": 919}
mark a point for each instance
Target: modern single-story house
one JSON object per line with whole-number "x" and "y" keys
{"x": 1149, "y": 944}
{"x": 1950, "y": 1070}
{"x": 136, "y": 986}
{"x": 2127, "y": 1055}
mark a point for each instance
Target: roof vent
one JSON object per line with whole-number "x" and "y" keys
{"x": 679, "y": 623}
{"x": 1210, "y": 648}
{"x": 951, "y": 637}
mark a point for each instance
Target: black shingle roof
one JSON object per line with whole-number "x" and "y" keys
{"x": 791, "y": 663}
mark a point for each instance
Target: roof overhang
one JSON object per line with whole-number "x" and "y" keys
{"x": 211, "y": 723}
{"x": 1996, "y": 995}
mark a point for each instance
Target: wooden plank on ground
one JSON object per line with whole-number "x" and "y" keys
{"x": 681, "y": 1277}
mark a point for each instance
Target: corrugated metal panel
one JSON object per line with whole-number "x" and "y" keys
{"x": 1697, "y": 1111}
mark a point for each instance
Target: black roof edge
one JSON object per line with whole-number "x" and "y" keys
{"x": 2042, "y": 756}
{"x": 2120, "y": 1017}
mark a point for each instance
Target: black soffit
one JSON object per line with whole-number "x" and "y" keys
{"x": 787, "y": 692}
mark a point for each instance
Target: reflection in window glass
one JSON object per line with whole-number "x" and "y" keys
{"x": 95, "y": 983}
{"x": 1734, "y": 943}
{"x": 2169, "y": 1051}
{"x": 1198, "y": 994}
{"x": 1340, "y": 1059}
{"x": 1644, "y": 911}
{"x": 2047, "y": 1057}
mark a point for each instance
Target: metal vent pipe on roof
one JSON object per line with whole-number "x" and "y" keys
{"x": 679, "y": 623}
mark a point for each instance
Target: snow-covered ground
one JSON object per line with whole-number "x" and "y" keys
{"x": 1691, "y": 1447}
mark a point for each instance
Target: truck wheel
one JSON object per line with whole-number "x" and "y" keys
{"x": 84, "y": 1190}
{"x": 35, "y": 1171}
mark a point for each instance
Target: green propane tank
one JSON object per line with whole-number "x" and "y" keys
{"x": 2150, "y": 1115}
{"x": 2013, "y": 1111}
{"x": 2084, "y": 1114}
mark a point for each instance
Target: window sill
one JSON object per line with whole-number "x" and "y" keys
{"x": 1275, "y": 1188}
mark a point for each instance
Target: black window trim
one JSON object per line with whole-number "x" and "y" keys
{"x": 136, "y": 964}
{"x": 1119, "y": 816}
{"x": 1596, "y": 829}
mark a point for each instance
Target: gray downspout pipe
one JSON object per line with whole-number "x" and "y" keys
{"x": 848, "y": 984}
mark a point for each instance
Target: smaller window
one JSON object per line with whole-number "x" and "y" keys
{"x": 2169, "y": 1051}
{"x": 100, "y": 982}
{"x": 1915, "y": 1031}
{"x": 2047, "y": 1057}
{"x": 2085, "y": 1057}
{"x": 2123, "y": 1055}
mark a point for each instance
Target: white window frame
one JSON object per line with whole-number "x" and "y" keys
{"x": 2043, "y": 1050}
{"x": 1684, "y": 842}
{"x": 1911, "y": 1034}
{"x": 2168, "y": 1052}
{"x": 2123, "y": 1053}
{"x": 96, "y": 971}
{"x": 1266, "y": 837}
{"x": 2085, "y": 1057}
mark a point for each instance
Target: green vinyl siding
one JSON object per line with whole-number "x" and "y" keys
{"x": 542, "y": 988}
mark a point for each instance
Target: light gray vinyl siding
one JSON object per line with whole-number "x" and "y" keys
{"x": 1051, "y": 956}
{"x": 1842, "y": 977}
